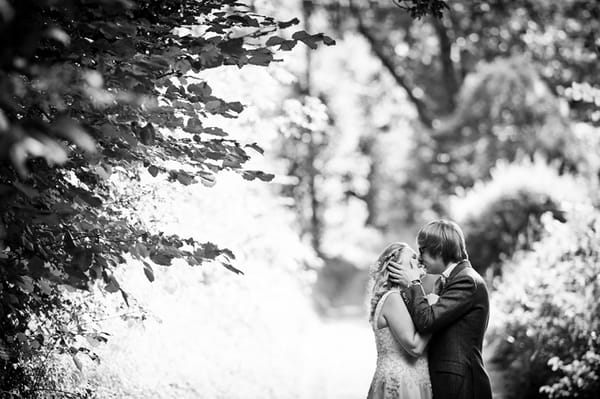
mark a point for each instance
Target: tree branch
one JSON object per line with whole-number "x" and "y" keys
{"x": 388, "y": 62}
{"x": 448, "y": 71}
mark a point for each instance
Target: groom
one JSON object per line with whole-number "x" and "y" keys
{"x": 458, "y": 320}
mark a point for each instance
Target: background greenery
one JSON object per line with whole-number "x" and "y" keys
{"x": 192, "y": 191}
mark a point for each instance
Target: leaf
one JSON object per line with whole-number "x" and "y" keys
{"x": 231, "y": 161}
{"x": 26, "y": 284}
{"x": 194, "y": 125}
{"x": 36, "y": 266}
{"x": 287, "y": 24}
{"x": 21, "y": 337}
{"x": 213, "y": 106}
{"x": 83, "y": 259}
{"x": 45, "y": 286}
{"x": 161, "y": 259}
{"x": 232, "y": 47}
{"x": 112, "y": 285}
{"x": 125, "y": 296}
{"x": 256, "y": 148}
{"x": 210, "y": 57}
{"x": 210, "y": 250}
{"x": 185, "y": 178}
{"x": 274, "y": 41}
{"x": 229, "y": 267}
{"x": 141, "y": 249}
{"x": 147, "y": 134}
{"x": 288, "y": 45}
{"x": 200, "y": 89}
{"x": 153, "y": 170}
{"x": 207, "y": 179}
{"x": 215, "y": 131}
{"x": 108, "y": 131}
{"x": 305, "y": 38}
{"x": 261, "y": 59}
{"x": 77, "y": 362}
{"x": 253, "y": 174}
{"x": 148, "y": 272}
{"x": 68, "y": 242}
{"x": 244, "y": 20}
{"x": 90, "y": 199}
{"x": 328, "y": 41}
{"x": 236, "y": 106}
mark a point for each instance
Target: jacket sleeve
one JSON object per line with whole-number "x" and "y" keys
{"x": 456, "y": 300}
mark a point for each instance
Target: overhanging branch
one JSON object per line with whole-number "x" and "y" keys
{"x": 386, "y": 59}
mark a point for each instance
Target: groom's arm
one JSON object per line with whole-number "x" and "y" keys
{"x": 454, "y": 303}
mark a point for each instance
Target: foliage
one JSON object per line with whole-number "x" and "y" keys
{"x": 545, "y": 314}
{"x": 113, "y": 84}
{"x": 488, "y": 81}
{"x": 503, "y": 215}
{"x": 205, "y": 332}
{"x": 304, "y": 136}
{"x": 421, "y": 8}
{"x": 431, "y": 56}
{"x": 505, "y": 111}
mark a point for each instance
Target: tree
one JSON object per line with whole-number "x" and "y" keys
{"x": 92, "y": 88}
{"x": 546, "y": 54}
{"x": 547, "y": 314}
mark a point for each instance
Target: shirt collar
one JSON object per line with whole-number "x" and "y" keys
{"x": 446, "y": 273}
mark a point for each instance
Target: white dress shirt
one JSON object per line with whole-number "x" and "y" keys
{"x": 446, "y": 273}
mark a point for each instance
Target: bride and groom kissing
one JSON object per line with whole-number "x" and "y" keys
{"x": 429, "y": 313}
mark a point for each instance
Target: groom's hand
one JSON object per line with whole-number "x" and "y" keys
{"x": 402, "y": 275}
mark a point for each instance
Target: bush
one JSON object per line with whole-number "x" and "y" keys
{"x": 502, "y": 215}
{"x": 545, "y": 314}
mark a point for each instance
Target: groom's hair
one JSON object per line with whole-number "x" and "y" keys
{"x": 443, "y": 238}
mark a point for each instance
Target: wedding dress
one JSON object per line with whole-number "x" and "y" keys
{"x": 398, "y": 375}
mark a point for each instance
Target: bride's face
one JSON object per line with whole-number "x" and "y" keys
{"x": 409, "y": 257}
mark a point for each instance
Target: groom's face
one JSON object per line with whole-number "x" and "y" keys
{"x": 433, "y": 264}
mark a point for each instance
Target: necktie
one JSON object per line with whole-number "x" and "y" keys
{"x": 439, "y": 285}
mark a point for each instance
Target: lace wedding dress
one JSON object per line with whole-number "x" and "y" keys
{"x": 398, "y": 374}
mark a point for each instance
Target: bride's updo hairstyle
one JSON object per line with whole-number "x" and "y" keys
{"x": 378, "y": 274}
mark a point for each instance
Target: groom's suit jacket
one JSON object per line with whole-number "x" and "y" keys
{"x": 458, "y": 322}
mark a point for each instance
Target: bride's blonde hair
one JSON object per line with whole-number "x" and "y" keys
{"x": 379, "y": 283}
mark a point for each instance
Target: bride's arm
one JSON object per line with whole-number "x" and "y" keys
{"x": 401, "y": 325}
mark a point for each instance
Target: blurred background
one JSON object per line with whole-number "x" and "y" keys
{"x": 488, "y": 116}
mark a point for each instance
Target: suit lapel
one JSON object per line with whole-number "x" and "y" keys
{"x": 460, "y": 266}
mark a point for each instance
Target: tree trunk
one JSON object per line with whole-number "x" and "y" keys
{"x": 315, "y": 221}
{"x": 449, "y": 74}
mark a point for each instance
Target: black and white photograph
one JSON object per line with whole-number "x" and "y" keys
{"x": 299, "y": 199}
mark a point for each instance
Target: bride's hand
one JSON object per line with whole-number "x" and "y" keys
{"x": 432, "y": 298}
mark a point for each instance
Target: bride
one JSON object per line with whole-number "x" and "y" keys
{"x": 402, "y": 371}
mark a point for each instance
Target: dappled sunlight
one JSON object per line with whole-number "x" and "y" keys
{"x": 193, "y": 195}
{"x": 208, "y": 332}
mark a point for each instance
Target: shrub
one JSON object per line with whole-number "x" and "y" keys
{"x": 545, "y": 314}
{"x": 502, "y": 215}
